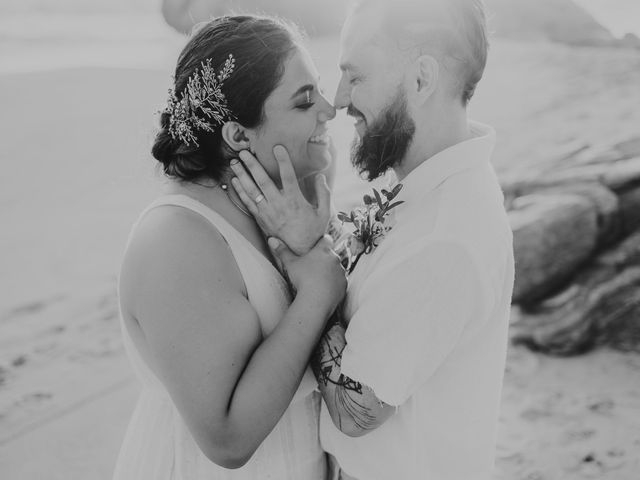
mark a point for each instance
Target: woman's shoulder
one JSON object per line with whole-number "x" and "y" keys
{"x": 172, "y": 248}
{"x": 171, "y": 231}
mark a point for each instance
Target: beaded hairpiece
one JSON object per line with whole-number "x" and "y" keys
{"x": 202, "y": 105}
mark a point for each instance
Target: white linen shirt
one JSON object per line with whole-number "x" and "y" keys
{"x": 429, "y": 313}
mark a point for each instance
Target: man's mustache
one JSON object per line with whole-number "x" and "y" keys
{"x": 354, "y": 112}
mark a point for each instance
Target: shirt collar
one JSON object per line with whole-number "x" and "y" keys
{"x": 460, "y": 157}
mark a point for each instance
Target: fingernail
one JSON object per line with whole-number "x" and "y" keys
{"x": 233, "y": 162}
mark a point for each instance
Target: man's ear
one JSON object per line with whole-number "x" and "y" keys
{"x": 427, "y": 74}
{"x": 236, "y": 136}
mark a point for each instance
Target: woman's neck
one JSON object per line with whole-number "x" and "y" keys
{"x": 219, "y": 197}
{"x": 308, "y": 188}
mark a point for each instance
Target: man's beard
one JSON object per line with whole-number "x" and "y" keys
{"x": 386, "y": 142}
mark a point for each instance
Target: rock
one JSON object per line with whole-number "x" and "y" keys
{"x": 629, "y": 210}
{"x": 605, "y": 203}
{"x": 559, "y": 155}
{"x": 617, "y": 176}
{"x": 607, "y": 207}
{"x": 564, "y": 333}
{"x": 599, "y": 154}
{"x": 553, "y": 235}
{"x": 577, "y": 282}
{"x": 630, "y": 148}
{"x": 630, "y": 40}
{"x": 315, "y": 17}
{"x": 601, "y": 307}
{"x": 553, "y": 20}
{"x": 617, "y": 258}
{"x": 616, "y": 311}
{"x": 622, "y": 174}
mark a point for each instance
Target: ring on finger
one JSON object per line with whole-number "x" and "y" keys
{"x": 259, "y": 198}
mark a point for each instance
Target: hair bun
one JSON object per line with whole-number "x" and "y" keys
{"x": 164, "y": 147}
{"x": 176, "y": 157}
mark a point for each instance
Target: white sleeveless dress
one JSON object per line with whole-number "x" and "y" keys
{"x": 158, "y": 445}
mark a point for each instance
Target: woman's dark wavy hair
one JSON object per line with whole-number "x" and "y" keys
{"x": 260, "y": 46}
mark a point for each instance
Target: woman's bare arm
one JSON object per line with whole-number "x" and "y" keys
{"x": 181, "y": 283}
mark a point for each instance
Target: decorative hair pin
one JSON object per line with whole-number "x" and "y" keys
{"x": 202, "y": 105}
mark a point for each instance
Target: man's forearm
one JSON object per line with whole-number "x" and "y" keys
{"x": 354, "y": 408}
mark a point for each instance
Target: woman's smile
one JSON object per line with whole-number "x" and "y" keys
{"x": 322, "y": 139}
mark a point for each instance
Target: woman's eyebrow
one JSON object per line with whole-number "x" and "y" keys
{"x": 303, "y": 89}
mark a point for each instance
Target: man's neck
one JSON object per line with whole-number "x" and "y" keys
{"x": 432, "y": 140}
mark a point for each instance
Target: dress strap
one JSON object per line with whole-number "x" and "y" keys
{"x": 245, "y": 253}
{"x": 228, "y": 232}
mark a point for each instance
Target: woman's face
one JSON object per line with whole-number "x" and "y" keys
{"x": 295, "y": 116}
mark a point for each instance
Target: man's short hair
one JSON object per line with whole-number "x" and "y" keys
{"x": 448, "y": 29}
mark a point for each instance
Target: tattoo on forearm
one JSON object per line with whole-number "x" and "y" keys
{"x": 347, "y": 393}
{"x": 359, "y": 413}
{"x": 327, "y": 360}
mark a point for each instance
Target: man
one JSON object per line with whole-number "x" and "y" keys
{"x": 414, "y": 381}
{"x": 412, "y": 377}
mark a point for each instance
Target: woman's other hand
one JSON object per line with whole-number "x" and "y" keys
{"x": 283, "y": 213}
{"x": 319, "y": 272}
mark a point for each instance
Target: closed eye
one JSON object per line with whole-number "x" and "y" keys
{"x": 305, "y": 106}
{"x": 308, "y": 104}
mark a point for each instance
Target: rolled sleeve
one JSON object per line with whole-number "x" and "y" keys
{"x": 413, "y": 310}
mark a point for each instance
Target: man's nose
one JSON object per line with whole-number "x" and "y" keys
{"x": 343, "y": 95}
{"x": 327, "y": 111}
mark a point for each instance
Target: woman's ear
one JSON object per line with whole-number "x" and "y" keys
{"x": 427, "y": 73}
{"x": 235, "y": 135}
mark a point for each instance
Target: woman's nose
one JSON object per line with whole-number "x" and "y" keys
{"x": 327, "y": 112}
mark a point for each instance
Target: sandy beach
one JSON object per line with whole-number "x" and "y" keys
{"x": 76, "y": 173}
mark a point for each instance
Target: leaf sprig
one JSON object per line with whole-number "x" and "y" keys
{"x": 369, "y": 223}
{"x": 202, "y": 105}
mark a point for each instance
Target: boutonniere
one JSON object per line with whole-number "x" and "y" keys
{"x": 369, "y": 224}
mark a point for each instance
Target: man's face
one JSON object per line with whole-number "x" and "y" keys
{"x": 371, "y": 89}
{"x": 386, "y": 140}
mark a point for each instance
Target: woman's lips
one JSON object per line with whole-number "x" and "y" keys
{"x": 320, "y": 139}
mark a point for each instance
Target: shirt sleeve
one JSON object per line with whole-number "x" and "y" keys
{"x": 412, "y": 311}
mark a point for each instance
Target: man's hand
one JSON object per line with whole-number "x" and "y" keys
{"x": 282, "y": 213}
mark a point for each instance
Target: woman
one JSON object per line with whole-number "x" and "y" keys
{"x": 208, "y": 321}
